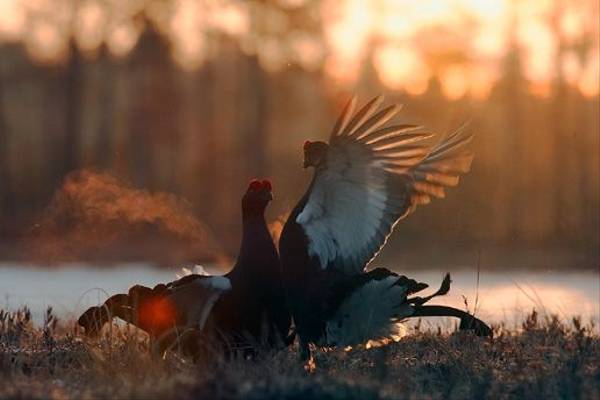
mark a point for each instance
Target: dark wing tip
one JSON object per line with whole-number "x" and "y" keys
{"x": 344, "y": 118}
{"x": 445, "y": 286}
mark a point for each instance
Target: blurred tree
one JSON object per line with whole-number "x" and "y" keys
{"x": 154, "y": 132}
{"x": 73, "y": 86}
{"x": 252, "y": 115}
{"x": 6, "y": 191}
{"x": 197, "y": 97}
{"x": 513, "y": 88}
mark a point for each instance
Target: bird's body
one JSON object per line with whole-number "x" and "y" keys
{"x": 242, "y": 309}
{"x": 367, "y": 178}
{"x": 256, "y": 306}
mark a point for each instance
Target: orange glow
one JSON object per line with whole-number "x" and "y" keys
{"x": 539, "y": 46}
{"x": 454, "y": 81}
{"x": 484, "y": 9}
{"x": 307, "y": 50}
{"x": 491, "y": 43}
{"x": 346, "y": 36}
{"x": 343, "y": 71}
{"x": 391, "y": 27}
{"x": 189, "y": 47}
{"x": 401, "y": 68}
{"x": 122, "y": 39}
{"x": 12, "y": 20}
{"x": 540, "y": 89}
{"x": 571, "y": 68}
{"x": 589, "y": 82}
{"x": 231, "y": 18}
{"x": 481, "y": 80}
{"x": 89, "y": 26}
{"x": 46, "y": 43}
{"x": 348, "y": 27}
{"x": 270, "y": 56}
{"x": 408, "y": 43}
{"x": 570, "y": 24}
{"x": 157, "y": 314}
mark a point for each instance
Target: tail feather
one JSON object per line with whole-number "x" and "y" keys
{"x": 94, "y": 318}
{"x": 467, "y": 321}
{"x": 123, "y": 306}
{"x": 443, "y": 290}
{"x": 411, "y": 285}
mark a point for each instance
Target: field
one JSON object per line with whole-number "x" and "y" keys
{"x": 544, "y": 358}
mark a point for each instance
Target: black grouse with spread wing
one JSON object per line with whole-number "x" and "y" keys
{"x": 368, "y": 177}
{"x": 242, "y": 309}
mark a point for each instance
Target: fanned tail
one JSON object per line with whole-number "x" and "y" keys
{"x": 94, "y": 318}
{"x": 123, "y": 306}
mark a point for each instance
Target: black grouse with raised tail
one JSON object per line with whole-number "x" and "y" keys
{"x": 368, "y": 177}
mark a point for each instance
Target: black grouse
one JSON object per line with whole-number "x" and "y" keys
{"x": 367, "y": 178}
{"x": 241, "y": 310}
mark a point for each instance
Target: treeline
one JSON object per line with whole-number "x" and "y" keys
{"x": 203, "y": 134}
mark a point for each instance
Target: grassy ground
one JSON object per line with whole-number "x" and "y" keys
{"x": 544, "y": 359}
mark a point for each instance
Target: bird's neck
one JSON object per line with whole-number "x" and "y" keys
{"x": 254, "y": 232}
{"x": 252, "y": 219}
{"x": 302, "y": 203}
{"x": 256, "y": 239}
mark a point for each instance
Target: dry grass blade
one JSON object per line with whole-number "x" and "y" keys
{"x": 563, "y": 359}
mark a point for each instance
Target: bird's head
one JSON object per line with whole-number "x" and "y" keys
{"x": 257, "y": 197}
{"x": 314, "y": 153}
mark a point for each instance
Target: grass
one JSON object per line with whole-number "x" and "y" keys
{"x": 545, "y": 358}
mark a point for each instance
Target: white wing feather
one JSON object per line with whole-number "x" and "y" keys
{"x": 373, "y": 177}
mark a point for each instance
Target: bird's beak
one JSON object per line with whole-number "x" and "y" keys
{"x": 268, "y": 196}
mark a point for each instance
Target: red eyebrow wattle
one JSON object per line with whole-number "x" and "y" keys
{"x": 255, "y": 184}
{"x": 266, "y": 184}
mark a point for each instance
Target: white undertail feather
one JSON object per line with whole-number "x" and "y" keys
{"x": 372, "y": 312}
{"x": 195, "y": 270}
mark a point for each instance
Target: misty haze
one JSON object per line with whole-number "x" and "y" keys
{"x": 141, "y": 138}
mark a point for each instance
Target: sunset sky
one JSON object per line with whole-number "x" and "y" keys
{"x": 462, "y": 42}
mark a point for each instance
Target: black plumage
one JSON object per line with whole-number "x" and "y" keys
{"x": 367, "y": 178}
{"x": 248, "y": 304}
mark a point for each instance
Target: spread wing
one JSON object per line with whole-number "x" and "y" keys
{"x": 374, "y": 175}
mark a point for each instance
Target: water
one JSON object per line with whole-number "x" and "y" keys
{"x": 500, "y": 297}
